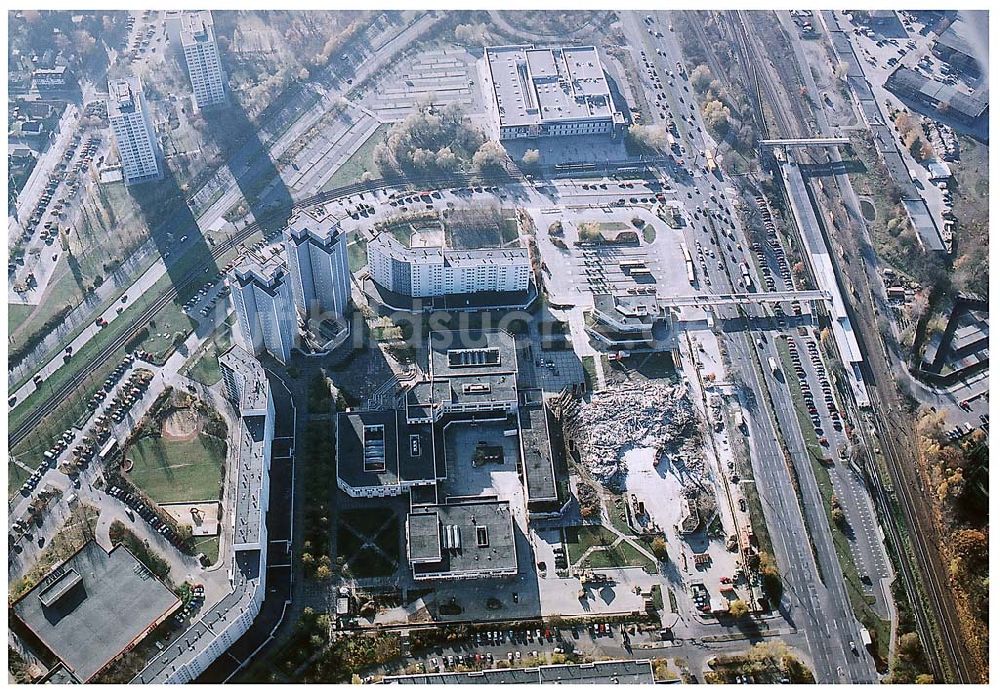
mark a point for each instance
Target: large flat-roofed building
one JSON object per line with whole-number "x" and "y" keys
{"x": 952, "y": 46}
{"x": 317, "y": 260}
{"x": 536, "y": 457}
{"x": 217, "y": 628}
{"x": 431, "y": 272}
{"x": 197, "y": 37}
{"x": 909, "y": 84}
{"x": 476, "y": 373}
{"x": 470, "y": 539}
{"x": 550, "y": 92}
{"x": 132, "y": 127}
{"x": 380, "y": 454}
{"x": 265, "y": 310}
{"x": 635, "y": 672}
{"x": 94, "y": 607}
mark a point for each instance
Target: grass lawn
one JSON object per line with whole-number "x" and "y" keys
{"x": 648, "y": 234}
{"x": 615, "y": 506}
{"x": 613, "y": 226}
{"x": 16, "y": 314}
{"x": 16, "y": 476}
{"x": 623, "y": 555}
{"x": 508, "y": 228}
{"x": 160, "y": 341}
{"x": 204, "y": 367}
{"x": 360, "y": 162}
{"x": 62, "y": 290}
{"x": 175, "y": 471}
{"x": 209, "y": 546}
{"x": 581, "y": 538}
{"x": 357, "y": 253}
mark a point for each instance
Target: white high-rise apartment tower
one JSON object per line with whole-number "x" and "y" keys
{"x": 201, "y": 54}
{"x": 265, "y": 310}
{"x": 133, "y": 130}
{"x": 317, "y": 259}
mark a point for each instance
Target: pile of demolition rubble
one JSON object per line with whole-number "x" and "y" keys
{"x": 630, "y": 415}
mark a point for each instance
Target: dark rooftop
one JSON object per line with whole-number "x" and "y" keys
{"x": 93, "y": 606}
{"x": 913, "y": 83}
{"x": 461, "y": 538}
{"x": 470, "y": 353}
{"x": 378, "y": 448}
{"x": 539, "y": 472}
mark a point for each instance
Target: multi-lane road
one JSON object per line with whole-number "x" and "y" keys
{"x": 816, "y": 596}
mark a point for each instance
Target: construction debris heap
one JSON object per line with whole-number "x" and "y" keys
{"x": 631, "y": 415}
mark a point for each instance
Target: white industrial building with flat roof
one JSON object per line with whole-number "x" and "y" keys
{"x": 132, "y": 127}
{"x": 317, "y": 260}
{"x": 201, "y": 53}
{"x": 265, "y": 310}
{"x": 550, "y": 92}
{"x": 430, "y": 272}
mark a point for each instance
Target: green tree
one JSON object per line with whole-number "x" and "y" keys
{"x": 531, "y": 158}
{"x": 701, "y": 78}
{"x": 659, "y": 547}
{"x": 739, "y": 609}
{"x": 490, "y": 157}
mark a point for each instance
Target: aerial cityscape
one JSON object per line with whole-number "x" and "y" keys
{"x": 498, "y": 346}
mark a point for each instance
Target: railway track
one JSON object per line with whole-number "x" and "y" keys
{"x": 943, "y": 648}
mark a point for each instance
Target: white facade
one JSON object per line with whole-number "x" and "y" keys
{"x": 201, "y": 54}
{"x": 265, "y": 310}
{"x": 214, "y": 631}
{"x": 133, "y": 131}
{"x": 549, "y": 92}
{"x": 434, "y": 272}
{"x": 317, "y": 259}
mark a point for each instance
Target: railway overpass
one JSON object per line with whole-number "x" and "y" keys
{"x": 806, "y": 142}
{"x": 715, "y": 300}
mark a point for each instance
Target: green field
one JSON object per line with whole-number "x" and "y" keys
{"x": 581, "y": 538}
{"x": 74, "y": 406}
{"x": 16, "y": 314}
{"x": 204, "y": 365}
{"x": 357, "y": 254}
{"x": 209, "y": 546}
{"x": 174, "y": 471}
{"x": 16, "y": 476}
{"x": 360, "y": 162}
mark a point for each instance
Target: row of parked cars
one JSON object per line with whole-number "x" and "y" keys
{"x": 127, "y": 395}
{"x": 824, "y": 382}
{"x": 191, "y": 607}
{"x": 134, "y": 504}
{"x": 49, "y": 459}
{"x": 204, "y": 292}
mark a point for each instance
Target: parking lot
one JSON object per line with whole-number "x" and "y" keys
{"x": 39, "y": 248}
{"x": 443, "y": 76}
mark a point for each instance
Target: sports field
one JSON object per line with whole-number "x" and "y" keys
{"x": 178, "y": 470}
